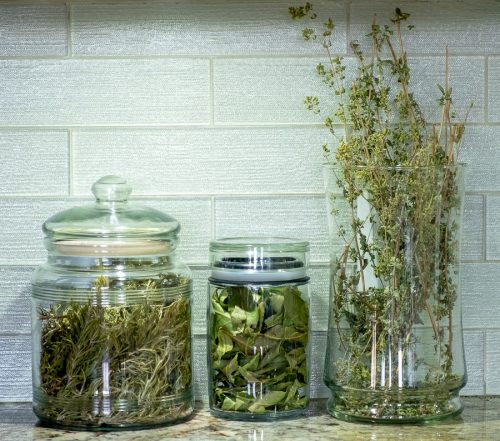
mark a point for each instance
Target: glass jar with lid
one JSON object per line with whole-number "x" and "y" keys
{"x": 111, "y": 317}
{"x": 258, "y": 328}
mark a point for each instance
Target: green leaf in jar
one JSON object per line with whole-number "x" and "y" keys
{"x": 280, "y": 332}
{"x": 269, "y": 399}
{"x": 231, "y": 368}
{"x": 247, "y": 375}
{"x": 253, "y": 317}
{"x": 253, "y": 363}
{"x": 292, "y": 391}
{"x": 276, "y": 301}
{"x": 295, "y": 357}
{"x": 242, "y": 298}
{"x": 295, "y": 309}
{"x": 232, "y": 405}
{"x": 225, "y": 344}
{"x": 238, "y": 317}
{"x": 276, "y": 319}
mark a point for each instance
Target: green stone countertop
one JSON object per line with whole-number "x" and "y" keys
{"x": 479, "y": 421}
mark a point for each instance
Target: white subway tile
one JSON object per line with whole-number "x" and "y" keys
{"x": 15, "y": 292}
{"x": 24, "y": 245}
{"x": 473, "y": 228}
{"x": 318, "y": 352}
{"x": 21, "y": 228}
{"x": 481, "y": 153}
{"x": 197, "y": 28}
{"x": 320, "y": 297}
{"x": 492, "y": 362}
{"x": 494, "y": 90}
{"x": 33, "y": 30}
{"x": 474, "y": 360}
{"x": 492, "y": 227}
{"x": 15, "y": 368}
{"x": 202, "y": 161}
{"x": 468, "y": 26}
{"x": 200, "y": 368}
{"x": 300, "y": 217}
{"x": 480, "y": 284}
{"x": 34, "y": 162}
{"x": 104, "y": 92}
{"x": 195, "y": 218}
{"x": 256, "y": 90}
{"x": 266, "y": 90}
{"x": 200, "y": 300}
{"x": 466, "y": 78}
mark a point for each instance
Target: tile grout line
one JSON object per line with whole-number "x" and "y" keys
{"x": 247, "y": 125}
{"x": 194, "y": 195}
{"x": 172, "y": 196}
{"x": 166, "y": 126}
{"x": 242, "y": 56}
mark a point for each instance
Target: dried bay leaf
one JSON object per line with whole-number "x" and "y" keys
{"x": 295, "y": 309}
{"x": 269, "y": 399}
{"x": 231, "y": 368}
{"x": 225, "y": 344}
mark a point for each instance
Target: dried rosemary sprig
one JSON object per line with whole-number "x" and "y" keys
{"x": 104, "y": 364}
{"x": 259, "y": 342}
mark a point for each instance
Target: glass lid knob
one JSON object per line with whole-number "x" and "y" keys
{"x": 111, "y": 189}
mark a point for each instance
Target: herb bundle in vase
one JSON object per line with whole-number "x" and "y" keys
{"x": 395, "y": 194}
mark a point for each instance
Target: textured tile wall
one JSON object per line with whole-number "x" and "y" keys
{"x": 199, "y": 105}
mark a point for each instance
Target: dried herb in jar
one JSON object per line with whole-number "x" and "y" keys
{"x": 103, "y": 363}
{"x": 259, "y": 348}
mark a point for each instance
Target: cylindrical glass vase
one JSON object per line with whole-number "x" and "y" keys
{"x": 258, "y": 328}
{"x": 395, "y": 345}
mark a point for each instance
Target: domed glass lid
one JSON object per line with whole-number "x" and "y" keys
{"x": 112, "y": 219}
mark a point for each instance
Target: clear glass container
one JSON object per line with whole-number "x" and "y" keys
{"x": 395, "y": 346}
{"x": 258, "y": 328}
{"x": 111, "y": 317}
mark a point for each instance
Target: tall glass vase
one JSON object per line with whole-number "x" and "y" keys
{"x": 395, "y": 345}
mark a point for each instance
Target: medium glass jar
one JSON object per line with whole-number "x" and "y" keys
{"x": 258, "y": 328}
{"x": 111, "y": 317}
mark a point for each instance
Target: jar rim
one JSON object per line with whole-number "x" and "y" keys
{"x": 266, "y": 244}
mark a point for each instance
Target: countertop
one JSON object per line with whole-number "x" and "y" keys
{"x": 479, "y": 421}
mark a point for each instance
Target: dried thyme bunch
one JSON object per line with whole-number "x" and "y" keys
{"x": 259, "y": 349}
{"x": 397, "y": 212}
{"x": 117, "y": 364}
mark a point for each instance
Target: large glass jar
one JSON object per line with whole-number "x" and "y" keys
{"x": 111, "y": 317}
{"x": 395, "y": 347}
{"x": 258, "y": 328}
